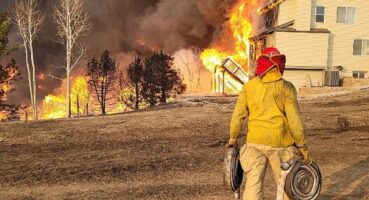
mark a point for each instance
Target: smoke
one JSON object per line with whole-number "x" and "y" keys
{"x": 126, "y": 28}
{"x": 259, "y": 21}
{"x": 176, "y": 24}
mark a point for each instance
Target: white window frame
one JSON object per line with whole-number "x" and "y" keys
{"x": 316, "y": 13}
{"x": 364, "y": 73}
{"x": 364, "y": 50}
{"x": 346, "y": 15}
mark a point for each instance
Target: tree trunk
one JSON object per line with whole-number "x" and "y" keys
{"x": 29, "y": 80}
{"x": 87, "y": 112}
{"x": 34, "y": 81}
{"x": 137, "y": 96}
{"x": 78, "y": 113}
{"x": 103, "y": 98}
{"x": 69, "y": 57}
{"x": 163, "y": 98}
{"x": 152, "y": 100}
{"x": 69, "y": 110}
{"x": 103, "y": 112}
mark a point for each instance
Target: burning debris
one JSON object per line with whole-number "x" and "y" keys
{"x": 228, "y": 77}
{"x": 271, "y": 5}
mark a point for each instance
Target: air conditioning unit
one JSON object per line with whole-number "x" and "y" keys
{"x": 331, "y": 78}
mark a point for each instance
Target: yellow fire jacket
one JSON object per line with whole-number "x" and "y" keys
{"x": 270, "y": 103}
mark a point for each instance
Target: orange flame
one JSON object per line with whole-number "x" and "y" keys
{"x": 41, "y": 76}
{"x": 5, "y": 88}
{"x": 2, "y": 116}
{"x": 141, "y": 41}
{"x": 54, "y": 106}
{"x": 241, "y": 29}
{"x": 212, "y": 58}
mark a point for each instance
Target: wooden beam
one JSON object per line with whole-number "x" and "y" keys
{"x": 270, "y": 6}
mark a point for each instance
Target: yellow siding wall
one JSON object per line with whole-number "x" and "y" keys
{"x": 320, "y": 50}
{"x": 270, "y": 40}
{"x": 287, "y": 12}
{"x": 304, "y": 50}
{"x": 303, "y": 15}
{"x": 304, "y": 78}
{"x": 343, "y": 35}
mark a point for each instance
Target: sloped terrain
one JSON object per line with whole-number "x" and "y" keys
{"x": 172, "y": 153}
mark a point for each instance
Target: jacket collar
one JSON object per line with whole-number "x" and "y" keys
{"x": 271, "y": 75}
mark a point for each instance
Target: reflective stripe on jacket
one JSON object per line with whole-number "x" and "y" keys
{"x": 270, "y": 103}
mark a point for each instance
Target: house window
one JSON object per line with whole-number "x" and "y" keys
{"x": 346, "y": 15}
{"x": 358, "y": 74}
{"x": 319, "y": 14}
{"x": 361, "y": 48}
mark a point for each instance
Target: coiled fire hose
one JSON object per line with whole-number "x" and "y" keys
{"x": 233, "y": 173}
{"x": 302, "y": 182}
{"x": 299, "y": 181}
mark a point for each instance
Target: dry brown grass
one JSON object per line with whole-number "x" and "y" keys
{"x": 169, "y": 154}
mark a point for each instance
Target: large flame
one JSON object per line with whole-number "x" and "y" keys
{"x": 2, "y": 116}
{"x": 241, "y": 29}
{"x": 54, "y": 106}
{"x": 6, "y": 86}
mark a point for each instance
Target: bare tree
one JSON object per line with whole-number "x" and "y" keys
{"x": 73, "y": 25}
{"x": 28, "y": 17}
{"x": 124, "y": 93}
{"x": 188, "y": 62}
{"x": 198, "y": 65}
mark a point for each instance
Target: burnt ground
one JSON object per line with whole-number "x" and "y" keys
{"x": 170, "y": 154}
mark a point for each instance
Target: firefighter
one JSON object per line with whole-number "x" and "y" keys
{"x": 275, "y": 130}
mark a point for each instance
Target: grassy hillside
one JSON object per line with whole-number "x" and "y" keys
{"x": 169, "y": 154}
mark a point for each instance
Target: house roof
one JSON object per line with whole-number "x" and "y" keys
{"x": 286, "y": 28}
{"x": 312, "y": 30}
{"x": 272, "y": 30}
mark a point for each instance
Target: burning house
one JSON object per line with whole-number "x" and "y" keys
{"x": 320, "y": 38}
{"x": 228, "y": 58}
{"x": 326, "y": 42}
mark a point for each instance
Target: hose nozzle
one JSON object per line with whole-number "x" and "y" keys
{"x": 285, "y": 166}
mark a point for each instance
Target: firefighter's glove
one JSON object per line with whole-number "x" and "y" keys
{"x": 305, "y": 153}
{"x": 231, "y": 143}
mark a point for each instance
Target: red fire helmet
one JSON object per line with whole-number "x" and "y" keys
{"x": 270, "y": 58}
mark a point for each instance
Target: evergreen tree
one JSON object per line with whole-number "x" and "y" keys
{"x": 170, "y": 82}
{"x": 102, "y": 78}
{"x": 150, "y": 89}
{"x": 135, "y": 79}
{"x": 5, "y": 24}
{"x": 9, "y": 72}
{"x": 161, "y": 80}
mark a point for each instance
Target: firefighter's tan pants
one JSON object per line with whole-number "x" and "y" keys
{"x": 254, "y": 159}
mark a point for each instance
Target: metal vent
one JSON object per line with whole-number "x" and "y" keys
{"x": 332, "y": 78}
